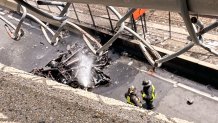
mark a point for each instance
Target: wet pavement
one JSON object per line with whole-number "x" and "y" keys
{"x": 33, "y": 51}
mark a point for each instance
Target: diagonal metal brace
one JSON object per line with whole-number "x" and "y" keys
{"x": 195, "y": 36}
{"x": 16, "y": 33}
{"x": 192, "y": 31}
{"x": 151, "y": 57}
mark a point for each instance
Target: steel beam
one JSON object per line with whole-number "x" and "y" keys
{"x": 203, "y": 7}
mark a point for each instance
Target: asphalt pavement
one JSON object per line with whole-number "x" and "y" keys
{"x": 171, "y": 100}
{"x": 33, "y": 51}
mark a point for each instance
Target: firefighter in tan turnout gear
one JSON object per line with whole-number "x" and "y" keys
{"x": 132, "y": 98}
{"x": 148, "y": 93}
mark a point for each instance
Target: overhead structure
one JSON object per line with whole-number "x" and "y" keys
{"x": 204, "y": 7}
{"x": 185, "y": 7}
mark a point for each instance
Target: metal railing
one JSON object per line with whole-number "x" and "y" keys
{"x": 118, "y": 25}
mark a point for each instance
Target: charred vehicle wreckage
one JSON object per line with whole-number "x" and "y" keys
{"x": 77, "y": 67}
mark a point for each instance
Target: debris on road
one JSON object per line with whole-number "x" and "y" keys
{"x": 77, "y": 67}
{"x": 190, "y": 101}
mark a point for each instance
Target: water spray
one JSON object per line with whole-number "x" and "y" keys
{"x": 84, "y": 72}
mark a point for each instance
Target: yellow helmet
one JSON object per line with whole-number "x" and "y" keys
{"x": 132, "y": 89}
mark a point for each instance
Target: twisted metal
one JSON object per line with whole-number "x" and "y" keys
{"x": 64, "y": 12}
{"x": 16, "y": 33}
{"x": 150, "y": 57}
{"x": 38, "y": 11}
{"x": 192, "y": 29}
{"x": 149, "y": 52}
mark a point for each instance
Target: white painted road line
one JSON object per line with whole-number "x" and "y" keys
{"x": 181, "y": 85}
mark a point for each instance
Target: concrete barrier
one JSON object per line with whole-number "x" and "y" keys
{"x": 28, "y": 98}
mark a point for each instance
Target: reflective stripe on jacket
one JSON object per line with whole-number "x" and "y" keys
{"x": 153, "y": 95}
{"x": 129, "y": 100}
{"x": 133, "y": 100}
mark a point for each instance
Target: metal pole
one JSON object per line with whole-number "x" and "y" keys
{"x": 171, "y": 56}
{"x": 65, "y": 10}
{"x": 53, "y": 3}
{"x": 77, "y": 17}
{"x": 27, "y": 5}
{"x": 93, "y": 21}
{"x": 145, "y": 23}
{"x": 43, "y": 26}
{"x": 109, "y": 17}
{"x": 142, "y": 26}
{"x": 170, "y": 34}
{"x": 202, "y": 7}
{"x": 20, "y": 22}
{"x": 185, "y": 15}
{"x": 125, "y": 16}
{"x": 17, "y": 32}
{"x": 134, "y": 27}
{"x": 208, "y": 28}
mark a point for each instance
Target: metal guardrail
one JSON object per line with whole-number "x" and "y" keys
{"x": 202, "y": 7}
{"x": 120, "y": 28}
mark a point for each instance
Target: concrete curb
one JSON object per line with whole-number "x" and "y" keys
{"x": 24, "y": 92}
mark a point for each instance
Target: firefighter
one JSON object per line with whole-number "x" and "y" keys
{"x": 148, "y": 93}
{"x": 132, "y": 98}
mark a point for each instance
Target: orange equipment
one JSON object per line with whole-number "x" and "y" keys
{"x": 138, "y": 13}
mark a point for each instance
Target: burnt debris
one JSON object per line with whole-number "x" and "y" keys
{"x": 66, "y": 67}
